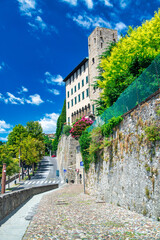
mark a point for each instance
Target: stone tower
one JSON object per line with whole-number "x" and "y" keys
{"x": 98, "y": 42}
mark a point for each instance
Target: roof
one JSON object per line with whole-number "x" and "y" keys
{"x": 76, "y": 68}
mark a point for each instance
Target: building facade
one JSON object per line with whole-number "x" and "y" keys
{"x": 80, "y": 92}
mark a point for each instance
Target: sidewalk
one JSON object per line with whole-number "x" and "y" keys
{"x": 69, "y": 214}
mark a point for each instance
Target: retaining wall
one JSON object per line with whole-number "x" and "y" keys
{"x": 128, "y": 173}
{"x": 9, "y": 202}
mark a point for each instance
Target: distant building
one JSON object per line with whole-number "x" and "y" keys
{"x": 50, "y": 135}
{"x": 80, "y": 92}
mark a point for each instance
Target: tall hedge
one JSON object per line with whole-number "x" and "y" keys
{"x": 60, "y": 123}
{"x": 127, "y": 59}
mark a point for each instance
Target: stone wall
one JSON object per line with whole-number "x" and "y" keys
{"x": 9, "y": 202}
{"x": 69, "y": 158}
{"x": 129, "y": 173}
{"x": 66, "y": 158}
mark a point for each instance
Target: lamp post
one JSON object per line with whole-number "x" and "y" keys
{"x": 19, "y": 164}
{"x": 3, "y": 178}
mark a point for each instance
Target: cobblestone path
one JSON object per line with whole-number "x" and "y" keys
{"x": 69, "y": 214}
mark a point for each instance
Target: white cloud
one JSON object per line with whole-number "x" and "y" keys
{"x": 30, "y": 9}
{"x": 88, "y": 22}
{"x": 4, "y": 127}
{"x": 27, "y": 7}
{"x": 71, "y": 2}
{"x": 41, "y": 23}
{"x": 107, "y": 3}
{"x": 14, "y": 100}
{"x": 32, "y": 99}
{"x": 49, "y": 101}
{"x": 3, "y": 139}
{"x": 49, "y": 122}
{"x": 89, "y": 3}
{"x": 54, "y": 91}
{"x": 120, "y": 26}
{"x": 35, "y": 99}
{"x": 23, "y": 89}
{"x": 54, "y": 79}
{"x": 124, "y": 3}
{"x": 33, "y": 26}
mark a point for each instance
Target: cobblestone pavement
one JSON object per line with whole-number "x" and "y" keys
{"x": 69, "y": 214}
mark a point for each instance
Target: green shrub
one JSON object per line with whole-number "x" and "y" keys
{"x": 152, "y": 133}
{"x": 107, "y": 128}
{"x": 84, "y": 142}
{"x": 66, "y": 130}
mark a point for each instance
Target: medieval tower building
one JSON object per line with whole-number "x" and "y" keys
{"x": 80, "y": 92}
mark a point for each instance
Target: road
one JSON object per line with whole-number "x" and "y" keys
{"x": 45, "y": 175}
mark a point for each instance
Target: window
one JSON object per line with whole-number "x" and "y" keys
{"x": 94, "y": 40}
{"x": 82, "y": 82}
{"x": 79, "y": 98}
{"x": 69, "y": 120}
{"x": 86, "y": 79}
{"x": 101, "y": 45}
{"x": 87, "y": 92}
{"x": 100, "y": 33}
{"x": 92, "y": 60}
{"x": 75, "y": 89}
{"x": 75, "y": 100}
{"x": 82, "y": 95}
{"x": 68, "y": 93}
{"x": 68, "y": 105}
{"x": 78, "y": 86}
{"x": 101, "y": 38}
{"x": 72, "y": 103}
{"x": 71, "y": 91}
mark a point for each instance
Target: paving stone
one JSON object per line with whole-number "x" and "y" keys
{"x": 83, "y": 218}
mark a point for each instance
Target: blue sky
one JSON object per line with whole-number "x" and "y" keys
{"x": 41, "y": 41}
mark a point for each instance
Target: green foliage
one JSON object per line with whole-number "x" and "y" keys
{"x": 34, "y": 129}
{"x": 15, "y": 137}
{"x": 32, "y": 150}
{"x": 96, "y": 144}
{"x": 92, "y": 143}
{"x": 48, "y": 145}
{"x": 12, "y": 164}
{"x": 84, "y": 142}
{"x": 28, "y": 142}
{"x": 60, "y": 122}
{"x": 128, "y": 58}
{"x": 107, "y": 128}
{"x": 158, "y": 112}
{"x": 152, "y": 133}
{"x": 1, "y": 143}
{"x": 66, "y": 130}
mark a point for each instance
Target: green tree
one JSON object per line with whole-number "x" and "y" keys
{"x": 48, "y": 144}
{"x": 15, "y": 137}
{"x": 32, "y": 151}
{"x": 128, "y": 59}
{"x": 12, "y": 164}
{"x": 60, "y": 123}
{"x": 34, "y": 129}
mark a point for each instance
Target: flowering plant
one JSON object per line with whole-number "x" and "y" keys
{"x": 80, "y": 126}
